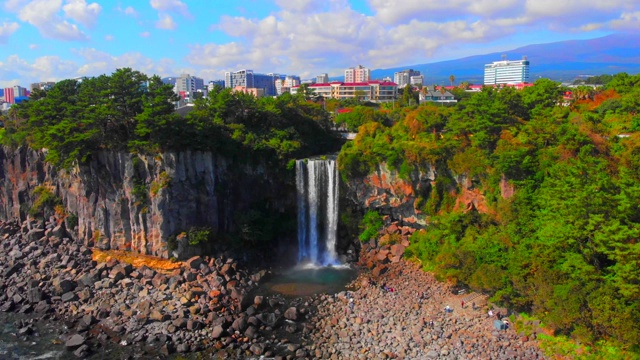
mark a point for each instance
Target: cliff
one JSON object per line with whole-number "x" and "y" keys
{"x": 385, "y": 191}
{"x": 136, "y": 202}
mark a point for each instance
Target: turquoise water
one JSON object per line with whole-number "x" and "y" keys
{"x": 306, "y": 280}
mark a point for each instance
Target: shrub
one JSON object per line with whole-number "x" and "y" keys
{"x": 45, "y": 201}
{"x": 370, "y": 225}
{"x": 198, "y": 236}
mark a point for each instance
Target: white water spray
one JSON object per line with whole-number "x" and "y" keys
{"x": 317, "y": 187}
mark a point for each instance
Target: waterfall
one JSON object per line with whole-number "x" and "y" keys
{"x": 317, "y": 188}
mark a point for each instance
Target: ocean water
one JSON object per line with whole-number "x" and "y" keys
{"x": 43, "y": 343}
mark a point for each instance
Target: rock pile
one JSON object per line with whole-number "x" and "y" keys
{"x": 397, "y": 312}
{"x": 204, "y": 305}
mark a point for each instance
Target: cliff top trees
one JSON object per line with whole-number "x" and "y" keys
{"x": 129, "y": 111}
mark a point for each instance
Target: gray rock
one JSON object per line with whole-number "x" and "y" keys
{"x": 74, "y": 342}
{"x": 68, "y": 296}
{"x": 217, "y": 332}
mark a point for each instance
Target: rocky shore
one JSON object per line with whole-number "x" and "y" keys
{"x": 397, "y": 311}
{"x": 208, "y": 307}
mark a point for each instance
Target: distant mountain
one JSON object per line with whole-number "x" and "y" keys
{"x": 559, "y": 61}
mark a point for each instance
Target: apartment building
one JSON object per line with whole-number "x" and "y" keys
{"x": 375, "y": 90}
{"x": 507, "y": 72}
{"x": 358, "y": 74}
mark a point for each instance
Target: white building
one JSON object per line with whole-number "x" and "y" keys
{"x": 416, "y": 80}
{"x": 322, "y": 79}
{"x": 507, "y": 72}
{"x": 403, "y": 78}
{"x": 359, "y": 74}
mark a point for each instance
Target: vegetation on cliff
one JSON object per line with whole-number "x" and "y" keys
{"x": 564, "y": 244}
{"x": 130, "y": 111}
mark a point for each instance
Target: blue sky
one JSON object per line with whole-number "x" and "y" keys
{"x": 50, "y": 40}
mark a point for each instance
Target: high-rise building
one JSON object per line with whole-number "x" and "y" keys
{"x": 13, "y": 93}
{"x": 322, "y": 79}
{"x": 359, "y": 74}
{"x": 187, "y": 86}
{"x": 507, "y": 72}
{"x": 403, "y": 78}
{"x": 9, "y": 96}
{"x": 248, "y": 79}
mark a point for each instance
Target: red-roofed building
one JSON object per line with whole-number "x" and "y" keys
{"x": 375, "y": 90}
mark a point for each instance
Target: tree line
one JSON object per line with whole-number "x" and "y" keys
{"x": 130, "y": 111}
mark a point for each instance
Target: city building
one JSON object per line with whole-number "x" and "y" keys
{"x": 45, "y": 85}
{"x": 322, "y": 79}
{"x": 359, "y": 74}
{"x": 188, "y": 86}
{"x": 507, "y": 72}
{"x": 257, "y": 92}
{"x": 376, "y": 90}
{"x": 214, "y": 83}
{"x": 436, "y": 95}
{"x": 248, "y": 79}
{"x": 403, "y": 78}
{"x": 11, "y": 94}
{"x": 416, "y": 80}
{"x": 285, "y": 85}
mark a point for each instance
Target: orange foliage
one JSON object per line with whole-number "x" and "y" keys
{"x": 134, "y": 259}
{"x": 599, "y": 98}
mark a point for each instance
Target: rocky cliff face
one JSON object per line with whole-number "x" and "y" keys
{"x": 125, "y": 201}
{"x": 385, "y": 191}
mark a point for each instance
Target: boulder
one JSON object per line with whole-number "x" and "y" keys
{"x": 217, "y": 332}
{"x": 291, "y": 313}
{"x": 62, "y": 286}
{"x": 194, "y": 262}
{"x": 397, "y": 250}
{"x": 74, "y": 342}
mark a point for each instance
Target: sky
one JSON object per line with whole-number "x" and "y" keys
{"x": 51, "y": 40}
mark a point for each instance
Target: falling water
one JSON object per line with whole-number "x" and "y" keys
{"x": 317, "y": 185}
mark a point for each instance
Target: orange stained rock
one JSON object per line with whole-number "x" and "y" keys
{"x": 137, "y": 260}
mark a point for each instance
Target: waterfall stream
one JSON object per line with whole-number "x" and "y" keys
{"x": 317, "y": 187}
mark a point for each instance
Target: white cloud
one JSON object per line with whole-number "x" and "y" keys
{"x": 166, "y": 22}
{"x": 129, "y": 11}
{"x": 14, "y": 5}
{"x": 6, "y": 29}
{"x": 627, "y": 21}
{"x": 298, "y": 5}
{"x": 93, "y": 63}
{"x": 43, "y": 14}
{"x": 83, "y": 13}
{"x": 145, "y": 34}
{"x": 46, "y": 68}
{"x": 33, "y": 46}
{"x": 175, "y": 6}
{"x": 109, "y": 37}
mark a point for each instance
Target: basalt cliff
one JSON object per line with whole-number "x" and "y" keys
{"x": 399, "y": 198}
{"x": 136, "y": 202}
